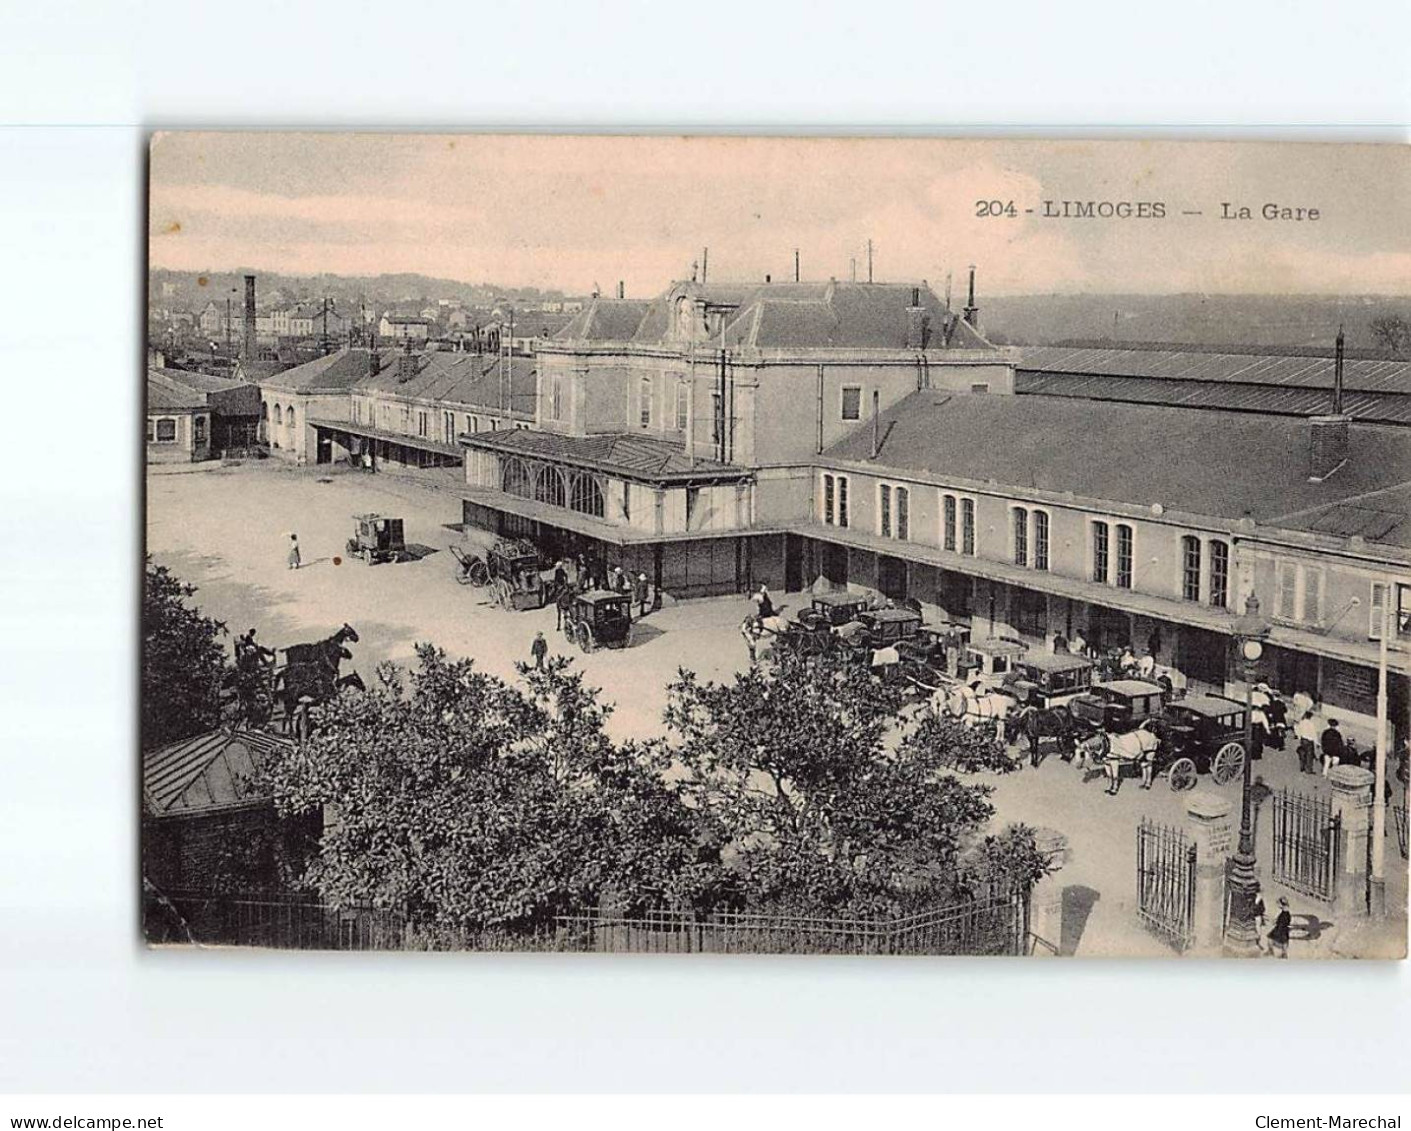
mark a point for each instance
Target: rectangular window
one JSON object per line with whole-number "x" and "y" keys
{"x": 1400, "y": 613}
{"x": 1124, "y": 556}
{"x": 1312, "y": 611}
{"x": 851, "y": 408}
{"x": 948, "y": 522}
{"x": 967, "y": 526}
{"x": 470, "y": 424}
{"x": 842, "y": 500}
{"x": 682, "y": 403}
{"x": 1041, "y": 540}
{"x": 166, "y": 430}
{"x": 884, "y": 511}
{"x": 1021, "y": 536}
{"x": 903, "y": 497}
{"x": 556, "y": 402}
{"x": 645, "y": 406}
{"x": 1100, "y": 552}
{"x": 1287, "y": 594}
{"x": 448, "y": 419}
{"x": 1220, "y": 574}
{"x": 1190, "y": 568}
{"x": 980, "y": 387}
{"x": 828, "y": 499}
{"x": 198, "y": 434}
{"x": 421, "y": 424}
{"x": 693, "y": 505}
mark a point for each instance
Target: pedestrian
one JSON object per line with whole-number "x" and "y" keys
{"x": 749, "y": 629}
{"x": 1332, "y": 745}
{"x": 1060, "y": 643}
{"x": 1279, "y": 936}
{"x": 1260, "y": 916}
{"x": 562, "y": 604}
{"x": 1258, "y": 731}
{"x": 1078, "y": 646}
{"x": 639, "y": 594}
{"x": 293, "y": 551}
{"x": 1278, "y": 714}
{"x": 539, "y": 650}
{"x": 560, "y": 577}
{"x": 1146, "y": 666}
{"x": 1306, "y": 731}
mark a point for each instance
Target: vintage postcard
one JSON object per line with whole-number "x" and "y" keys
{"x": 777, "y": 545}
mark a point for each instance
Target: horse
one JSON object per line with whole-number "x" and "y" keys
{"x": 326, "y": 651}
{"x": 976, "y": 707}
{"x": 301, "y": 685}
{"x": 1137, "y": 747}
{"x": 1038, "y": 723}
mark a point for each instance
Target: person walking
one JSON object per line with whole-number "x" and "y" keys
{"x": 562, "y": 604}
{"x": 293, "y": 551}
{"x": 749, "y": 629}
{"x": 1306, "y": 731}
{"x": 1279, "y": 934}
{"x": 1260, "y": 917}
{"x": 1333, "y": 747}
{"x": 639, "y": 594}
{"x": 766, "y": 606}
{"x": 539, "y": 650}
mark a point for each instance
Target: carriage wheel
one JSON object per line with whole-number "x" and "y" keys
{"x": 478, "y": 573}
{"x": 1182, "y": 775}
{"x": 590, "y": 642}
{"x": 1227, "y": 763}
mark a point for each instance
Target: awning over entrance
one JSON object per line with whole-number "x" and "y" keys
{"x": 589, "y": 526}
{"x": 420, "y": 443}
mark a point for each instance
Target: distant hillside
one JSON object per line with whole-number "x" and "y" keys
{"x": 1253, "y": 320}
{"x": 191, "y": 290}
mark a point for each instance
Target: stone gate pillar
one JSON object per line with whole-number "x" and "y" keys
{"x": 1210, "y": 822}
{"x": 1352, "y": 801}
{"x": 1046, "y": 898}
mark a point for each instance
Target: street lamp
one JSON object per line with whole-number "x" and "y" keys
{"x": 1242, "y": 932}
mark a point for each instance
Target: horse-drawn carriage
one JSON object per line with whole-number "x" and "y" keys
{"x": 600, "y": 617}
{"x": 309, "y": 676}
{"x": 815, "y": 629}
{"x": 378, "y": 539}
{"x": 1204, "y": 734}
{"x": 1117, "y": 706}
{"x": 515, "y": 575}
{"x": 989, "y": 659}
{"x": 1045, "y": 681}
{"x": 470, "y": 568}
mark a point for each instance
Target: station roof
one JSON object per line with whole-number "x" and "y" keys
{"x": 336, "y": 372}
{"x": 456, "y": 379}
{"x": 1217, "y": 464}
{"x": 634, "y": 457}
{"x": 605, "y": 320}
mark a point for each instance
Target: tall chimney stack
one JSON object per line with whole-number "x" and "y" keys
{"x": 705, "y": 262}
{"x": 1329, "y": 437}
{"x": 915, "y": 322}
{"x": 971, "y": 313}
{"x": 248, "y": 346}
{"x": 876, "y": 423}
{"x": 621, "y": 289}
{"x": 796, "y": 265}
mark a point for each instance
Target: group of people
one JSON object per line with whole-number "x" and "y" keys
{"x": 588, "y": 576}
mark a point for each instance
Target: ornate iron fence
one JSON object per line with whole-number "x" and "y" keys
{"x": 1166, "y": 860}
{"x": 1305, "y": 856}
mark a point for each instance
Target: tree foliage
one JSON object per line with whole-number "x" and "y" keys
{"x": 183, "y": 662}
{"x": 966, "y": 749}
{"x": 1392, "y": 333}
{"x": 471, "y": 803}
{"x": 824, "y": 813}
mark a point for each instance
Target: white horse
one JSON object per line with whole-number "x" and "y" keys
{"x": 1137, "y": 747}
{"x": 975, "y": 706}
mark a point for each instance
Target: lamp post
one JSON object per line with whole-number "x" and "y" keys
{"x": 1242, "y": 933}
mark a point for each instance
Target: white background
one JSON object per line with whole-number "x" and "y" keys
{"x": 83, "y": 1008}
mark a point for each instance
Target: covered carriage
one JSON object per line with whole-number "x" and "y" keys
{"x": 377, "y": 538}
{"x": 516, "y": 578}
{"x": 600, "y": 618}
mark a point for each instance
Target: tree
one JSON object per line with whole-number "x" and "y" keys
{"x": 183, "y": 662}
{"x": 1392, "y": 333}
{"x": 824, "y": 814}
{"x": 473, "y": 804}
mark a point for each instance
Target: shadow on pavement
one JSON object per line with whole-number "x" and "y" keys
{"x": 1077, "y": 906}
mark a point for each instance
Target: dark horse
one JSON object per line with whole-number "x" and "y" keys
{"x": 327, "y": 652}
{"x": 1039, "y": 723}
{"x": 299, "y": 686}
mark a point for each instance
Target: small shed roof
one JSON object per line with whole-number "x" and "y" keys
{"x": 209, "y": 772}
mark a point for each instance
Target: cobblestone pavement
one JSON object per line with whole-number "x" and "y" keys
{"x": 226, "y": 530}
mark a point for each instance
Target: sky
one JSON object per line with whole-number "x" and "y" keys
{"x": 574, "y": 212}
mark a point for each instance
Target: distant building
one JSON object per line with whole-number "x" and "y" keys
{"x": 195, "y": 416}
{"x": 320, "y": 388}
{"x": 404, "y": 327}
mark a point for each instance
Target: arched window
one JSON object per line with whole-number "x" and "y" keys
{"x": 1190, "y": 568}
{"x": 548, "y": 487}
{"x": 516, "y": 479}
{"x": 587, "y": 496}
{"x": 1021, "y": 536}
{"x": 264, "y": 410}
{"x": 290, "y": 418}
{"x": 278, "y": 416}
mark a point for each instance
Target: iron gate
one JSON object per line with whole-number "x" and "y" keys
{"x": 1166, "y": 860}
{"x": 1306, "y": 844}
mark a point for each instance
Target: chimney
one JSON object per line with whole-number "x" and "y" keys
{"x": 915, "y": 322}
{"x": 876, "y": 423}
{"x": 374, "y": 361}
{"x": 767, "y": 279}
{"x": 972, "y": 312}
{"x": 621, "y": 289}
{"x": 1328, "y": 436}
{"x": 796, "y": 265}
{"x": 249, "y": 343}
{"x": 406, "y": 364}
{"x": 705, "y": 262}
